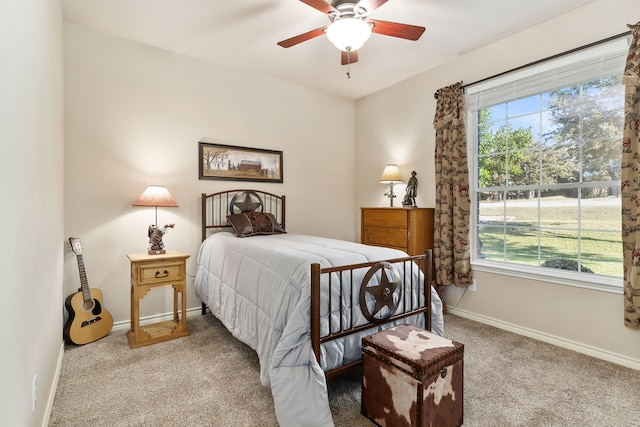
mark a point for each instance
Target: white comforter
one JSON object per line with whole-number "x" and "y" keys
{"x": 259, "y": 289}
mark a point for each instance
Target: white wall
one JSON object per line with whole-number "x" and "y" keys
{"x": 133, "y": 117}
{"x": 396, "y": 125}
{"x": 31, "y": 213}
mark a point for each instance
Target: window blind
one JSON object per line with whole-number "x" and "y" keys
{"x": 590, "y": 64}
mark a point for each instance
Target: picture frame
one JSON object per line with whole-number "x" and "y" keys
{"x": 235, "y": 163}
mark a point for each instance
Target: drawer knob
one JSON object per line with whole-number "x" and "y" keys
{"x": 164, "y": 274}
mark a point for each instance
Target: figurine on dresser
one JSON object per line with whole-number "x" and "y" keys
{"x": 411, "y": 192}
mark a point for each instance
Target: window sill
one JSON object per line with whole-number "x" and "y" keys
{"x": 557, "y": 276}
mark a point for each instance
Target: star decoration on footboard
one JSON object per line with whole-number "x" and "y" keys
{"x": 386, "y": 293}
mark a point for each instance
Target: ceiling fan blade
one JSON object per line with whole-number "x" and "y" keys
{"x": 371, "y": 5}
{"x": 394, "y": 29}
{"x": 320, "y": 5}
{"x": 302, "y": 37}
{"x": 349, "y": 58}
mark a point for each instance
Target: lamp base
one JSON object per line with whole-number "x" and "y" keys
{"x": 156, "y": 247}
{"x": 391, "y": 195}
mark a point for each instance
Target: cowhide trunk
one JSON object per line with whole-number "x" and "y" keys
{"x": 412, "y": 377}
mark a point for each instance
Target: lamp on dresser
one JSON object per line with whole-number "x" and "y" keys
{"x": 156, "y": 195}
{"x": 391, "y": 175}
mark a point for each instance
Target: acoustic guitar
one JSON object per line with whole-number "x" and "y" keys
{"x": 88, "y": 320}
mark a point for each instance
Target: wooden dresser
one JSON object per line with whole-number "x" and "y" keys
{"x": 407, "y": 229}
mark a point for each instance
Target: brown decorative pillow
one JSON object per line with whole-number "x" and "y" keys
{"x": 253, "y": 223}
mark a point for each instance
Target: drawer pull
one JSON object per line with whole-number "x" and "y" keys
{"x": 165, "y": 274}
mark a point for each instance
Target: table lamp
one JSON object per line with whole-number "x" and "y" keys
{"x": 391, "y": 175}
{"x": 156, "y": 196}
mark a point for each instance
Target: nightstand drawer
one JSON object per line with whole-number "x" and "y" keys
{"x": 160, "y": 272}
{"x": 384, "y": 236}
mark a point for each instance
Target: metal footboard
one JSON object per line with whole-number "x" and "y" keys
{"x": 395, "y": 298}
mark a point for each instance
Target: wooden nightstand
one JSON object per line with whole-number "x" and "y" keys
{"x": 150, "y": 271}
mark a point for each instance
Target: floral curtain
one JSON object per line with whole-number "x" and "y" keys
{"x": 451, "y": 218}
{"x": 630, "y": 183}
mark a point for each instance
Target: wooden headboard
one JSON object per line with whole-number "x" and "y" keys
{"x": 216, "y": 207}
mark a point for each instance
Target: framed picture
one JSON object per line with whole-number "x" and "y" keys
{"x": 230, "y": 162}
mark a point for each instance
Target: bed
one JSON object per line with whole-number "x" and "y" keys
{"x": 303, "y": 303}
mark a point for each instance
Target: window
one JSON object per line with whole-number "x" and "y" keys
{"x": 545, "y": 185}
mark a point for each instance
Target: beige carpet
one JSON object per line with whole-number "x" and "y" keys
{"x": 211, "y": 379}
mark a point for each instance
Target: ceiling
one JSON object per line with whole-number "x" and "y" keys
{"x": 242, "y": 34}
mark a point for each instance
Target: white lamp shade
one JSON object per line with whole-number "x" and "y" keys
{"x": 391, "y": 175}
{"x": 348, "y": 34}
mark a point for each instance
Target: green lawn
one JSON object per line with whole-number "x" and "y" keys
{"x": 600, "y": 239}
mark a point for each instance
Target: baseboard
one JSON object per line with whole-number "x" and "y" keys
{"x": 126, "y": 324}
{"x": 54, "y": 386}
{"x": 598, "y": 353}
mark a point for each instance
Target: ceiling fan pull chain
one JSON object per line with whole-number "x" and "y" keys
{"x": 349, "y": 64}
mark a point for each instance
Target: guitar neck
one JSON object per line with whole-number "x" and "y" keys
{"x": 86, "y": 295}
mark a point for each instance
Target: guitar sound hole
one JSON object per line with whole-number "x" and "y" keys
{"x": 92, "y": 305}
{"x": 88, "y": 304}
{"x": 97, "y": 308}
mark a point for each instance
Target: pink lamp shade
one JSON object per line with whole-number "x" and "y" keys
{"x": 154, "y": 196}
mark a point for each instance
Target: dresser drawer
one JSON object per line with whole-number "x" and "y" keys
{"x": 385, "y": 218}
{"x": 385, "y": 236}
{"x": 162, "y": 272}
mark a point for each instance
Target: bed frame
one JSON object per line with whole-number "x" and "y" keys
{"x": 216, "y": 207}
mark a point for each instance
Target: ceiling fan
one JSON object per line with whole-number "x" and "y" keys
{"x": 350, "y": 28}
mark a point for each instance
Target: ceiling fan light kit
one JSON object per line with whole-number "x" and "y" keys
{"x": 349, "y": 34}
{"x": 350, "y": 28}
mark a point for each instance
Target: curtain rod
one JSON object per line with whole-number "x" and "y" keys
{"x": 549, "y": 58}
